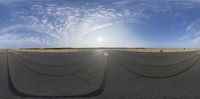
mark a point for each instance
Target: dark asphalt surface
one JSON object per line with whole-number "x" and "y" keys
{"x": 95, "y": 75}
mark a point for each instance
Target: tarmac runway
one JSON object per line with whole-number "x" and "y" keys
{"x": 99, "y": 74}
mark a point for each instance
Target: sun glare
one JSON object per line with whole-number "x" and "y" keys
{"x": 99, "y": 39}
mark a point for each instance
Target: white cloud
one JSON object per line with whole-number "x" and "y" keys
{"x": 68, "y": 24}
{"x": 7, "y": 29}
{"x": 123, "y": 2}
{"x": 10, "y": 38}
{"x": 184, "y": 37}
{"x": 97, "y": 28}
{"x": 192, "y": 33}
{"x": 9, "y": 1}
{"x": 196, "y": 40}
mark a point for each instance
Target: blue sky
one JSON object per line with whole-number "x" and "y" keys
{"x": 99, "y": 23}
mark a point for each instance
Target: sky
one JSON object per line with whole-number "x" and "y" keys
{"x": 99, "y": 23}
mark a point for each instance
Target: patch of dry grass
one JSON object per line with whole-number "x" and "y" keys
{"x": 159, "y": 50}
{"x": 49, "y": 50}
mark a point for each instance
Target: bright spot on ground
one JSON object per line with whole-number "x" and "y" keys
{"x": 105, "y": 54}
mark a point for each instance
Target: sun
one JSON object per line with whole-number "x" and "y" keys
{"x": 99, "y": 39}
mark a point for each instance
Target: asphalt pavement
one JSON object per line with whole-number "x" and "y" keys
{"x": 99, "y": 74}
